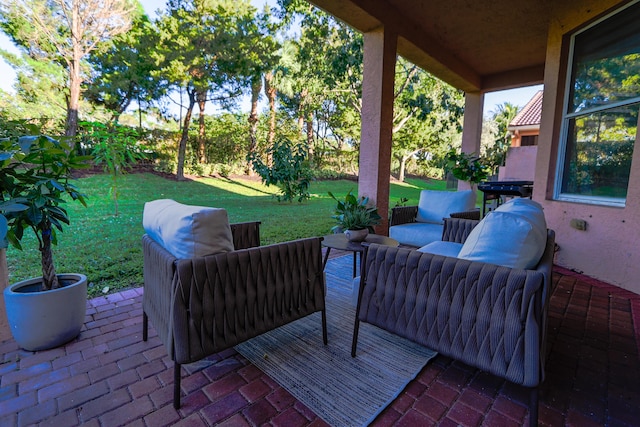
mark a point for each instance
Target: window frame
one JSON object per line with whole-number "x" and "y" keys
{"x": 568, "y": 116}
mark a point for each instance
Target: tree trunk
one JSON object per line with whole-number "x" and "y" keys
{"x": 256, "y": 87}
{"x": 73, "y": 102}
{"x": 139, "y": 114}
{"x": 202, "y": 149}
{"x": 115, "y": 117}
{"x": 182, "y": 148}
{"x": 403, "y": 165}
{"x": 271, "y": 93}
{"x": 50, "y": 279}
{"x": 301, "y": 109}
{"x": 310, "y": 144}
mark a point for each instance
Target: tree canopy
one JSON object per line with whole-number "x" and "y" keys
{"x": 205, "y": 56}
{"x": 64, "y": 32}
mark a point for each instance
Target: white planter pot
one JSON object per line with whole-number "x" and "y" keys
{"x": 356, "y": 235}
{"x": 40, "y": 320}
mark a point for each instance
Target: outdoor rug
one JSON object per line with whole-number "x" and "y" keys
{"x": 342, "y": 390}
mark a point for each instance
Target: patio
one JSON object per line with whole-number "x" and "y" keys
{"x": 110, "y": 377}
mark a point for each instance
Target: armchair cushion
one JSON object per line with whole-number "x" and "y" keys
{"x": 436, "y": 205}
{"x": 514, "y": 235}
{"x": 187, "y": 231}
{"x": 416, "y": 233}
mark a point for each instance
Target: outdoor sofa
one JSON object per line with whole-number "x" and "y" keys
{"x": 209, "y": 285}
{"x": 422, "y": 224}
{"x": 488, "y": 316}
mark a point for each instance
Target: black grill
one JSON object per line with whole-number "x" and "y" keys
{"x": 494, "y": 189}
{"x": 507, "y": 188}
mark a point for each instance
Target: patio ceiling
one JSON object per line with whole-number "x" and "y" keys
{"x": 474, "y": 45}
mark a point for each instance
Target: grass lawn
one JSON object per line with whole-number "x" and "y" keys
{"x": 107, "y": 248}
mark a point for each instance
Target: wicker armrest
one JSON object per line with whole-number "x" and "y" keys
{"x": 457, "y": 229}
{"x": 472, "y": 214}
{"x": 403, "y": 215}
{"x": 159, "y": 269}
{"x": 245, "y": 235}
{"x": 222, "y": 300}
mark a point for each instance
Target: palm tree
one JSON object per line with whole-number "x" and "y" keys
{"x": 501, "y": 116}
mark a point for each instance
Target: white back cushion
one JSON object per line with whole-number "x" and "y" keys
{"x": 436, "y": 205}
{"x": 187, "y": 231}
{"x": 514, "y": 235}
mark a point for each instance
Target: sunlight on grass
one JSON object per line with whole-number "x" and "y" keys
{"x": 107, "y": 248}
{"x": 244, "y": 187}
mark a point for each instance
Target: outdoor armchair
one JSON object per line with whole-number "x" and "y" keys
{"x": 487, "y": 316}
{"x": 422, "y": 224}
{"x": 204, "y": 304}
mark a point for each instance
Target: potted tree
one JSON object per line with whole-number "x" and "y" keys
{"x": 354, "y": 217}
{"x": 47, "y": 311}
{"x": 467, "y": 167}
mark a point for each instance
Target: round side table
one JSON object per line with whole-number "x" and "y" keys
{"x": 339, "y": 241}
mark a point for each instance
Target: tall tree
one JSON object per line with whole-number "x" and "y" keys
{"x": 64, "y": 31}
{"x": 329, "y": 82}
{"x": 206, "y": 49}
{"x": 312, "y": 82}
{"x": 122, "y": 69}
{"x": 256, "y": 88}
{"x": 281, "y": 82}
{"x": 40, "y": 89}
{"x": 264, "y": 55}
{"x": 426, "y": 110}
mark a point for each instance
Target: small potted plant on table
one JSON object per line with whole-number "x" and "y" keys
{"x": 354, "y": 217}
{"x": 47, "y": 311}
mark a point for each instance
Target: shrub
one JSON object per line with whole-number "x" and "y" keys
{"x": 289, "y": 170}
{"x": 466, "y": 167}
{"x": 116, "y": 148}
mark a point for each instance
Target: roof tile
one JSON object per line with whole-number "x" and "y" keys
{"x": 530, "y": 114}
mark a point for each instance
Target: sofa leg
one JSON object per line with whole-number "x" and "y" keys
{"x": 176, "y": 385}
{"x": 533, "y": 407}
{"x": 354, "y": 343}
{"x": 356, "y": 325}
{"x": 145, "y": 326}
{"x": 324, "y": 327}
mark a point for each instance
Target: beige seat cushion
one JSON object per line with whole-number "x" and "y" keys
{"x": 187, "y": 231}
{"x": 416, "y": 233}
{"x": 450, "y": 249}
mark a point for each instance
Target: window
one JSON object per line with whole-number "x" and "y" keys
{"x": 529, "y": 140}
{"x": 600, "y": 122}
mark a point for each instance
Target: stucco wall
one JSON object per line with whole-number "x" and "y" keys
{"x": 520, "y": 164}
{"x": 609, "y": 248}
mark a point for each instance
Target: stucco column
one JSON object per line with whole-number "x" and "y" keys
{"x": 377, "y": 120}
{"x": 5, "y": 333}
{"x": 471, "y": 127}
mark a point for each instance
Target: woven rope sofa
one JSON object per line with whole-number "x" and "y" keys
{"x": 201, "y": 305}
{"x": 487, "y": 316}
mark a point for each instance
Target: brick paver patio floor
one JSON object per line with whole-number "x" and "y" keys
{"x": 109, "y": 377}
